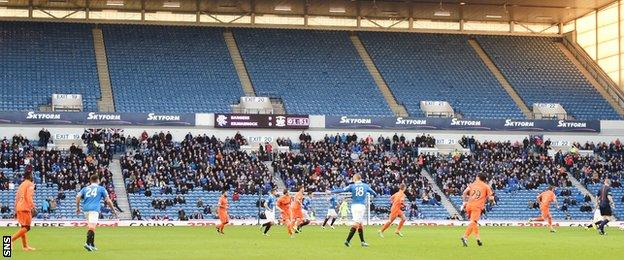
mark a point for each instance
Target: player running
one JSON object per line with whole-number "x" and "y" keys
{"x": 605, "y": 204}
{"x": 359, "y": 192}
{"x": 344, "y": 211}
{"x": 91, "y": 198}
{"x": 545, "y": 199}
{"x": 222, "y": 208}
{"x": 24, "y": 208}
{"x": 398, "y": 204}
{"x": 331, "y": 212}
{"x": 475, "y": 197}
{"x": 297, "y": 209}
{"x": 283, "y": 205}
{"x": 269, "y": 211}
{"x": 307, "y": 208}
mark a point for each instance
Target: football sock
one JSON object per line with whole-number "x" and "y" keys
{"x": 333, "y": 220}
{"x": 90, "y": 237}
{"x": 325, "y": 222}
{"x": 603, "y": 224}
{"x": 351, "y": 233}
{"x": 268, "y": 226}
{"x": 400, "y": 225}
{"x": 361, "y": 234}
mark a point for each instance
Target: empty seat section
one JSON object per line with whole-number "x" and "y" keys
{"x": 40, "y": 59}
{"x": 541, "y": 73}
{"x": 315, "y": 72}
{"x": 420, "y": 67}
{"x": 170, "y": 69}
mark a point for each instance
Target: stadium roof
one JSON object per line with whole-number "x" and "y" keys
{"x": 528, "y": 11}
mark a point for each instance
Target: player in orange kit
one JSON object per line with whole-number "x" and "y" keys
{"x": 24, "y": 206}
{"x": 396, "y": 210}
{"x": 222, "y": 212}
{"x": 283, "y": 205}
{"x": 544, "y": 199}
{"x": 297, "y": 210}
{"x": 475, "y": 197}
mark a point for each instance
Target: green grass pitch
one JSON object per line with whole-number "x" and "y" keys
{"x": 246, "y": 242}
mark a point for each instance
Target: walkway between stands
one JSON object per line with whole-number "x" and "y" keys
{"x": 582, "y": 188}
{"x": 120, "y": 188}
{"x": 445, "y": 200}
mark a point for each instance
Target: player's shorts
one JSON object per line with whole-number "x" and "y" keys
{"x": 396, "y": 213}
{"x": 270, "y": 215}
{"x": 597, "y": 215}
{"x": 285, "y": 218}
{"x": 223, "y": 217}
{"x": 332, "y": 213}
{"x": 297, "y": 214}
{"x": 92, "y": 217}
{"x": 605, "y": 210}
{"x": 473, "y": 213}
{"x": 545, "y": 212}
{"x": 306, "y": 214}
{"x": 357, "y": 213}
{"x": 24, "y": 218}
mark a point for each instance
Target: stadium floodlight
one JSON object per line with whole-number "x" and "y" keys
{"x": 334, "y": 9}
{"x": 171, "y": 4}
{"x": 115, "y": 2}
{"x": 493, "y": 16}
{"x": 283, "y": 8}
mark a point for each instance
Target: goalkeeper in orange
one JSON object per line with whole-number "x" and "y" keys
{"x": 398, "y": 204}
{"x": 545, "y": 199}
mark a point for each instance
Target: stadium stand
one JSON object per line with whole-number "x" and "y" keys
{"x": 315, "y": 72}
{"x": 541, "y": 73}
{"x": 40, "y": 59}
{"x": 170, "y": 69}
{"x": 438, "y": 67}
{"x": 608, "y": 162}
{"x": 384, "y": 164}
{"x": 517, "y": 172}
{"x": 198, "y": 167}
{"x": 57, "y": 176}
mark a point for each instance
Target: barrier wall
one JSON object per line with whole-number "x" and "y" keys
{"x": 205, "y": 223}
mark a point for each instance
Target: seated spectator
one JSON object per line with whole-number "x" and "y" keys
{"x": 200, "y": 203}
{"x": 586, "y": 207}
{"x": 235, "y": 196}
{"x": 148, "y": 192}
{"x": 136, "y": 215}
{"x": 182, "y": 215}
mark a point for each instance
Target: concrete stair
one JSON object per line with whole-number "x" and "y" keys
{"x": 501, "y": 78}
{"x": 276, "y": 178}
{"x": 397, "y": 109}
{"x": 446, "y": 202}
{"x": 106, "y": 102}
{"x": 600, "y": 88}
{"x": 582, "y": 188}
{"x": 120, "y": 189}
{"x": 237, "y": 59}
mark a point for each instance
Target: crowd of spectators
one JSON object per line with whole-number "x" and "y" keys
{"x": 383, "y": 162}
{"x": 196, "y": 162}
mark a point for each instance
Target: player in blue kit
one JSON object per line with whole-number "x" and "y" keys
{"x": 91, "y": 198}
{"x": 359, "y": 192}
{"x": 269, "y": 211}
{"x": 331, "y": 212}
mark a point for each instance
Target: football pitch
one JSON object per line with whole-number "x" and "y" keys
{"x": 246, "y": 242}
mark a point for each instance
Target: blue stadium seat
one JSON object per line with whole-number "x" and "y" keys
{"x": 315, "y": 72}
{"x": 444, "y": 67}
{"x": 541, "y": 73}
{"x": 170, "y": 69}
{"x": 40, "y": 59}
